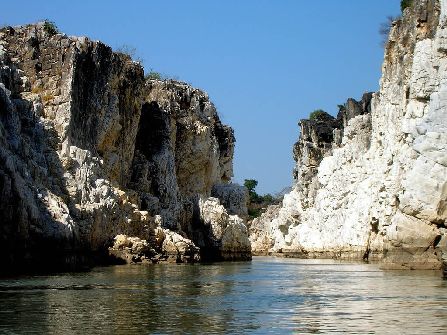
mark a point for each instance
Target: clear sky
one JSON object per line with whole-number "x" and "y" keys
{"x": 265, "y": 63}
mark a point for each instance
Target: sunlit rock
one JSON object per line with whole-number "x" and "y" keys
{"x": 371, "y": 183}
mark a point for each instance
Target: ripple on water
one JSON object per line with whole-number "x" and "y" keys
{"x": 267, "y": 295}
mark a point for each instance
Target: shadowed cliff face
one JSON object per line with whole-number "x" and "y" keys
{"x": 26, "y": 156}
{"x": 153, "y": 131}
{"x": 152, "y": 141}
{"x": 89, "y": 150}
{"x": 370, "y": 183}
{"x": 91, "y": 73}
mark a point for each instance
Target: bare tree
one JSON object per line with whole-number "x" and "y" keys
{"x": 385, "y": 28}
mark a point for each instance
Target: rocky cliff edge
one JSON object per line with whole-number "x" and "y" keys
{"x": 372, "y": 183}
{"x": 93, "y": 156}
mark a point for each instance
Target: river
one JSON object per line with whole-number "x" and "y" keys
{"x": 267, "y": 295}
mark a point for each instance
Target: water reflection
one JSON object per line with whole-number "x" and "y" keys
{"x": 266, "y": 295}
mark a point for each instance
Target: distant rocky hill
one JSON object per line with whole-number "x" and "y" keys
{"x": 93, "y": 156}
{"x": 283, "y": 192}
{"x": 372, "y": 183}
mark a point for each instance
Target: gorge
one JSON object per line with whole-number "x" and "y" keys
{"x": 98, "y": 162}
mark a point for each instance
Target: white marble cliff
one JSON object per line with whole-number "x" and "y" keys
{"x": 372, "y": 183}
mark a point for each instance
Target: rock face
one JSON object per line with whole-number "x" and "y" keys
{"x": 233, "y": 197}
{"x": 371, "y": 184}
{"x": 226, "y": 236}
{"x": 90, "y": 150}
{"x": 165, "y": 245}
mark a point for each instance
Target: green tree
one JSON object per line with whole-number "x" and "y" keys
{"x": 268, "y": 198}
{"x": 257, "y": 203}
{"x": 405, "y": 4}
{"x": 320, "y": 115}
{"x": 50, "y": 28}
{"x": 152, "y": 75}
{"x": 250, "y": 184}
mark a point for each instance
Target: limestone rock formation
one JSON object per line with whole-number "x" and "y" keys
{"x": 166, "y": 245}
{"x": 131, "y": 249}
{"x": 233, "y": 197}
{"x": 90, "y": 150}
{"x": 371, "y": 184}
{"x": 176, "y": 247}
{"x": 227, "y": 235}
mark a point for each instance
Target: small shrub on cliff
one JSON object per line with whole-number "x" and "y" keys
{"x": 127, "y": 50}
{"x": 405, "y": 4}
{"x": 130, "y": 51}
{"x": 341, "y": 108}
{"x": 152, "y": 75}
{"x": 385, "y": 28}
{"x": 268, "y": 199}
{"x": 50, "y": 28}
{"x": 318, "y": 115}
{"x": 254, "y": 213}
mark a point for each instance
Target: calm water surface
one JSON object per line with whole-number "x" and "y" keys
{"x": 268, "y": 295}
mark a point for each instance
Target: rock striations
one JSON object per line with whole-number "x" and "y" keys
{"x": 96, "y": 161}
{"x": 372, "y": 183}
{"x": 93, "y": 156}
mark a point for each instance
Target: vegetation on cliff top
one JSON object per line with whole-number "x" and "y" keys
{"x": 132, "y": 52}
{"x": 257, "y": 203}
{"x": 50, "y": 28}
{"x": 405, "y": 4}
{"x": 153, "y": 75}
{"x": 385, "y": 28}
{"x": 320, "y": 115}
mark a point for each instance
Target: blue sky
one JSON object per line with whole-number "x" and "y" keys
{"x": 265, "y": 63}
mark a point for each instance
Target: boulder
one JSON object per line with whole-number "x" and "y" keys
{"x": 227, "y": 237}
